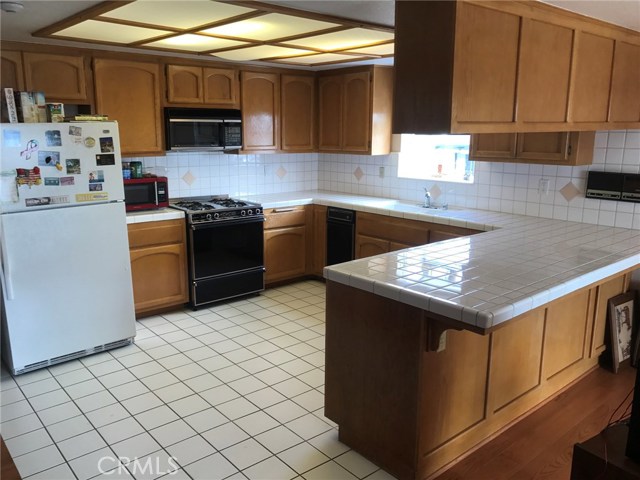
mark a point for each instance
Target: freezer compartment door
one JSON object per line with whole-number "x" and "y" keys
{"x": 66, "y": 281}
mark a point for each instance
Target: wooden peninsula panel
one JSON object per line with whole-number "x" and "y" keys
{"x": 412, "y": 391}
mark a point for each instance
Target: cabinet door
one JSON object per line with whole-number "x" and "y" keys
{"x": 625, "y": 87}
{"x": 298, "y": 113}
{"x": 60, "y": 77}
{"x": 593, "y": 58}
{"x": 129, "y": 92}
{"x": 159, "y": 276}
{"x": 368, "y": 246}
{"x": 356, "y": 112}
{"x": 544, "y": 68}
{"x": 493, "y": 145}
{"x": 11, "y": 70}
{"x": 184, "y": 84}
{"x": 552, "y": 146}
{"x": 285, "y": 253}
{"x": 221, "y": 86}
{"x": 484, "y": 81}
{"x": 330, "y": 112}
{"x": 260, "y": 111}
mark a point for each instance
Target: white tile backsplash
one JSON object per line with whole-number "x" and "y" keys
{"x": 503, "y": 187}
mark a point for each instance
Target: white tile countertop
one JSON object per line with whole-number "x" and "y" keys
{"x": 154, "y": 215}
{"x": 518, "y": 263}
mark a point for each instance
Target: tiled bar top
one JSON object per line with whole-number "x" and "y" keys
{"x": 518, "y": 263}
{"x": 154, "y": 215}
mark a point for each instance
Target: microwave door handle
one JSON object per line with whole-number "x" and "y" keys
{"x": 155, "y": 185}
{"x": 194, "y": 120}
{"x": 232, "y": 121}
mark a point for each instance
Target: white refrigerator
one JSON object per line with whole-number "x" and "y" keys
{"x": 66, "y": 274}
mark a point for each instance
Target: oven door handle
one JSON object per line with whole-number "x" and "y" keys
{"x": 222, "y": 223}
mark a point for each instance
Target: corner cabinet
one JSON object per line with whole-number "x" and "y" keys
{"x": 129, "y": 92}
{"x": 158, "y": 265}
{"x": 69, "y": 83}
{"x": 260, "y": 111}
{"x": 298, "y": 125}
{"x": 555, "y": 71}
{"x": 211, "y": 87}
{"x": 550, "y": 148}
{"x": 355, "y": 109}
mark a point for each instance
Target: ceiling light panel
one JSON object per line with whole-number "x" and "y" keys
{"x": 320, "y": 58}
{"x": 183, "y": 14}
{"x": 257, "y": 53}
{"x": 194, "y": 43}
{"x": 109, "y": 32}
{"x": 352, "y": 38}
{"x": 386, "y": 49}
{"x": 270, "y": 26}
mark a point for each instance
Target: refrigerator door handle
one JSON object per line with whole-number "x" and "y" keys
{"x": 5, "y": 269}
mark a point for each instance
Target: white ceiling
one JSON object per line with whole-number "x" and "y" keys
{"x": 38, "y": 14}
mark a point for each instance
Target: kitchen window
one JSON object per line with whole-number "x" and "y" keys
{"x": 435, "y": 157}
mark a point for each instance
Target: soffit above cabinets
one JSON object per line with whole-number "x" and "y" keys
{"x": 233, "y": 31}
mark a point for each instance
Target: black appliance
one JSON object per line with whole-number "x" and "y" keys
{"x": 340, "y": 235}
{"x": 225, "y": 247}
{"x": 202, "y": 129}
{"x": 623, "y": 187}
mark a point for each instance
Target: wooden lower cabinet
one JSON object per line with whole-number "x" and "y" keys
{"x": 285, "y": 243}
{"x": 367, "y": 246}
{"x": 412, "y": 409}
{"x": 158, "y": 265}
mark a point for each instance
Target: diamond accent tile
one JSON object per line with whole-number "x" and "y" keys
{"x": 281, "y": 172}
{"x": 435, "y": 192}
{"x": 358, "y": 173}
{"x": 569, "y": 191}
{"x": 188, "y": 178}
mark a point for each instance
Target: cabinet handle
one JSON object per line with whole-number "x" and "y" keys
{"x": 283, "y": 210}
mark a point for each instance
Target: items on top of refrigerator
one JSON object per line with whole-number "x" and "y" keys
{"x": 26, "y": 107}
{"x": 55, "y": 112}
{"x": 86, "y": 117}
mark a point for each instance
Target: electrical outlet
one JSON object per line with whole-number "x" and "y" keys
{"x": 543, "y": 186}
{"x": 381, "y": 172}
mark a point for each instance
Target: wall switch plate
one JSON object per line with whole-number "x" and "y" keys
{"x": 381, "y": 172}
{"x": 543, "y": 186}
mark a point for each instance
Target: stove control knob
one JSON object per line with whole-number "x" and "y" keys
{"x": 208, "y": 216}
{"x": 258, "y": 211}
{"x": 243, "y": 213}
{"x": 215, "y": 215}
{"x": 250, "y": 212}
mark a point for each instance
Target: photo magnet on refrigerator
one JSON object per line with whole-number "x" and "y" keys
{"x": 52, "y": 181}
{"x": 89, "y": 142}
{"x": 53, "y": 137}
{"x": 32, "y": 147}
{"x": 48, "y": 159}
{"x": 103, "y": 159}
{"x": 97, "y": 176}
{"x": 95, "y": 187}
{"x": 73, "y": 166}
{"x": 106, "y": 144}
{"x": 11, "y": 138}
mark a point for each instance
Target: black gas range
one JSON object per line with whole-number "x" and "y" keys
{"x": 225, "y": 247}
{"x": 216, "y": 208}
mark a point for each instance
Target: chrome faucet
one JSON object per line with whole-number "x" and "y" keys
{"x": 427, "y": 199}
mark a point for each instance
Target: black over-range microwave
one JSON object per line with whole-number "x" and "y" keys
{"x": 202, "y": 129}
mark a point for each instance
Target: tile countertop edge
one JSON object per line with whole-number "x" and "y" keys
{"x": 481, "y": 320}
{"x": 154, "y": 215}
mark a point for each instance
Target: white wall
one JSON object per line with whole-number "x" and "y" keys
{"x": 504, "y": 187}
{"x": 501, "y": 187}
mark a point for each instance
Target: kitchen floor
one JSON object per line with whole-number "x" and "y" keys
{"x": 234, "y": 391}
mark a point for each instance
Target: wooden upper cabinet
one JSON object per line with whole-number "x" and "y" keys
{"x": 356, "y": 112}
{"x": 298, "y": 113}
{"x": 330, "y": 94}
{"x": 11, "y": 70}
{"x": 593, "y": 59}
{"x": 60, "y": 77}
{"x": 184, "y": 84}
{"x": 545, "y": 64}
{"x": 129, "y": 92}
{"x": 260, "y": 111}
{"x": 202, "y": 86}
{"x": 553, "y": 148}
{"x": 484, "y": 82}
{"x": 625, "y": 84}
{"x": 473, "y": 66}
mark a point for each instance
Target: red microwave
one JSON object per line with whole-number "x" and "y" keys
{"x": 146, "y": 193}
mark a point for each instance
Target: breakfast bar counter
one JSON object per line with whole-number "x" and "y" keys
{"x": 433, "y": 349}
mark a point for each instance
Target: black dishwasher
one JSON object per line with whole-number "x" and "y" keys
{"x": 340, "y": 235}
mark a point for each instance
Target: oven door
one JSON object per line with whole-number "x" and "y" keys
{"x": 226, "y": 259}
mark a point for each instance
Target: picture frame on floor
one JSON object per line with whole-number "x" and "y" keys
{"x": 621, "y": 320}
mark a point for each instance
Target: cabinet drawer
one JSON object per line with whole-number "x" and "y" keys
{"x": 156, "y": 233}
{"x": 284, "y": 217}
